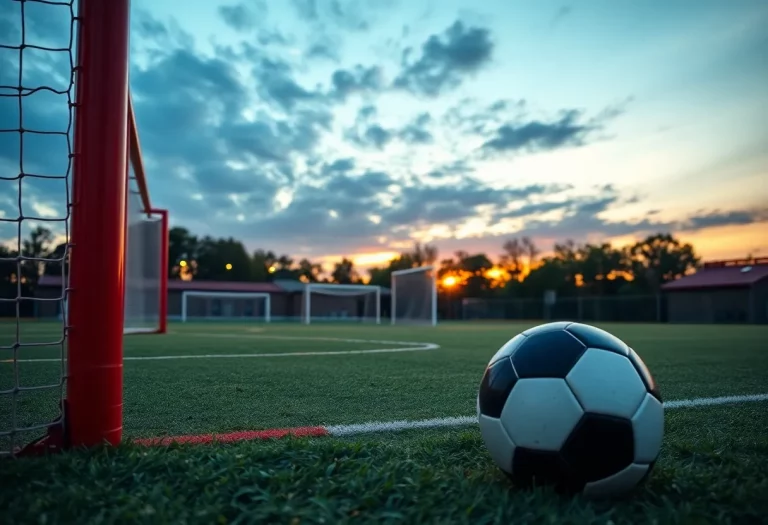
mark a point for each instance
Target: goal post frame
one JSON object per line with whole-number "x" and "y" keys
{"x": 307, "y": 302}
{"x": 433, "y": 291}
{"x": 162, "y": 300}
{"x": 93, "y": 407}
{"x": 229, "y": 295}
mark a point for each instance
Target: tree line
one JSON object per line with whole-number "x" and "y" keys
{"x": 517, "y": 270}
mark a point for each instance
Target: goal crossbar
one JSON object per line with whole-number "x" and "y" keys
{"x": 417, "y": 269}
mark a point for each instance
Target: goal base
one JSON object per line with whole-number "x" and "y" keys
{"x": 54, "y": 441}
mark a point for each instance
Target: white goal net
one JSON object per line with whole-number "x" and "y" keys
{"x": 225, "y": 306}
{"x": 143, "y": 268}
{"x": 414, "y": 296}
{"x": 341, "y": 302}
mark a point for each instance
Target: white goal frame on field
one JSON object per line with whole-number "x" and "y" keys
{"x": 338, "y": 290}
{"x": 227, "y": 295}
{"x": 431, "y": 271}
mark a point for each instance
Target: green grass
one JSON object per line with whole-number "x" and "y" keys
{"x": 711, "y": 469}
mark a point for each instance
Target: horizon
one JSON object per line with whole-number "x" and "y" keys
{"x": 325, "y": 129}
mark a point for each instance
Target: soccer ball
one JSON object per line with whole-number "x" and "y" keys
{"x": 571, "y": 405}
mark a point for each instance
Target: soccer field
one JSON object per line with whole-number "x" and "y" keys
{"x": 202, "y": 379}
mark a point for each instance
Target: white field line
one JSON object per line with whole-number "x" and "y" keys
{"x": 395, "y": 426}
{"x": 403, "y": 346}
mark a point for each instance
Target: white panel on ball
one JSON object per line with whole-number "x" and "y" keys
{"x": 648, "y": 427}
{"x": 606, "y": 383}
{"x": 540, "y": 413}
{"x": 508, "y": 349}
{"x": 619, "y": 483}
{"x": 498, "y": 442}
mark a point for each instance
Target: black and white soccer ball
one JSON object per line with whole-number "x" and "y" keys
{"x": 571, "y": 405}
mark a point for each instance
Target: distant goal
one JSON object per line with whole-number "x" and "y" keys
{"x": 72, "y": 165}
{"x": 414, "y": 296}
{"x": 225, "y": 306}
{"x": 323, "y": 302}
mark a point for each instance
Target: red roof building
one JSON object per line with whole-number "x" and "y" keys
{"x": 732, "y": 291}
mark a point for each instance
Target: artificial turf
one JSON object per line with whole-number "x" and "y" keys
{"x": 711, "y": 468}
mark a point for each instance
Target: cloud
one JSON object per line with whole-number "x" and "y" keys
{"x": 323, "y": 49}
{"x": 241, "y": 17}
{"x": 344, "y": 207}
{"x": 535, "y": 135}
{"x": 276, "y": 83}
{"x": 339, "y": 165}
{"x": 423, "y": 203}
{"x": 452, "y": 170}
{"x": 580, "y": 218}
{"x": 370, "y": 134}
{"x": 417, "y": 132}
{"x": 351, "y": 15}
{"x": 357, "y": 80}
{"x": 225, "y": 149}
{"x": 708, "y": 219}
{"x": 569, "y": 129}
{"x": 445, "y": 60}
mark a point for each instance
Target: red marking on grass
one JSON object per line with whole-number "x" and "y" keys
{"x": 249, "y": 435}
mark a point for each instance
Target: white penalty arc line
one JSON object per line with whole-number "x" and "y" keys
{"x": 404, "y": 346}
{"x": 396, "y": 426}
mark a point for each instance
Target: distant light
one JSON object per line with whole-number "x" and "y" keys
{"x": 494, "y": 273}
{"x": 272, "y": 269}
{"x": 228, "y": 266}
{"x": 182, "y": 263}
{"x": 449, "y": 281}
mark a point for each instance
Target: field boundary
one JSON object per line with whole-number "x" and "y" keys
{"x": 393, "y": 347}
{"x": 397, "y": 426}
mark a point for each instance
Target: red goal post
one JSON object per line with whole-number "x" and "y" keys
{"x": 108, "y": 185}
{"x": 107, "y": 147}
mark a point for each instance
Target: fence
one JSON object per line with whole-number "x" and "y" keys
{"x": 636, "y": 308}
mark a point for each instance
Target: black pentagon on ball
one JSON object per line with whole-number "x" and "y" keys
{"x": 541, "y": 467}
{"x": 594, "y": 337}
{"x": 645, "y": 374}
{"x": 495, "y": 387}
{"x": 599, "y": 446}
{"x": 547, "y": 354}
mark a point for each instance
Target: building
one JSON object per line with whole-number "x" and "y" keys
{"x": 734, "y": 291}
{"x": 219, "y": 299}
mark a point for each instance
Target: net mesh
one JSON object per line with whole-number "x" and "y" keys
{"x": 225, "y": 307}
{"x": 37, "y": 70}
{"x": 143, "y": 272}
{"x": 334, "y": 302}
{"x": 413, "y": 296}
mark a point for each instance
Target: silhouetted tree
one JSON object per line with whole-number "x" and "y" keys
{"x": 308, "y": 271}
{"x": 512, "y": 258}
{"x": 183, "y": 250}
{"x": 344, "y": 272}
{"x": 659, "y": 259}
{"x": 223, "y": 260}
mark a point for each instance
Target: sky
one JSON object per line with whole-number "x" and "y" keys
{"x": 330, "y": 128}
